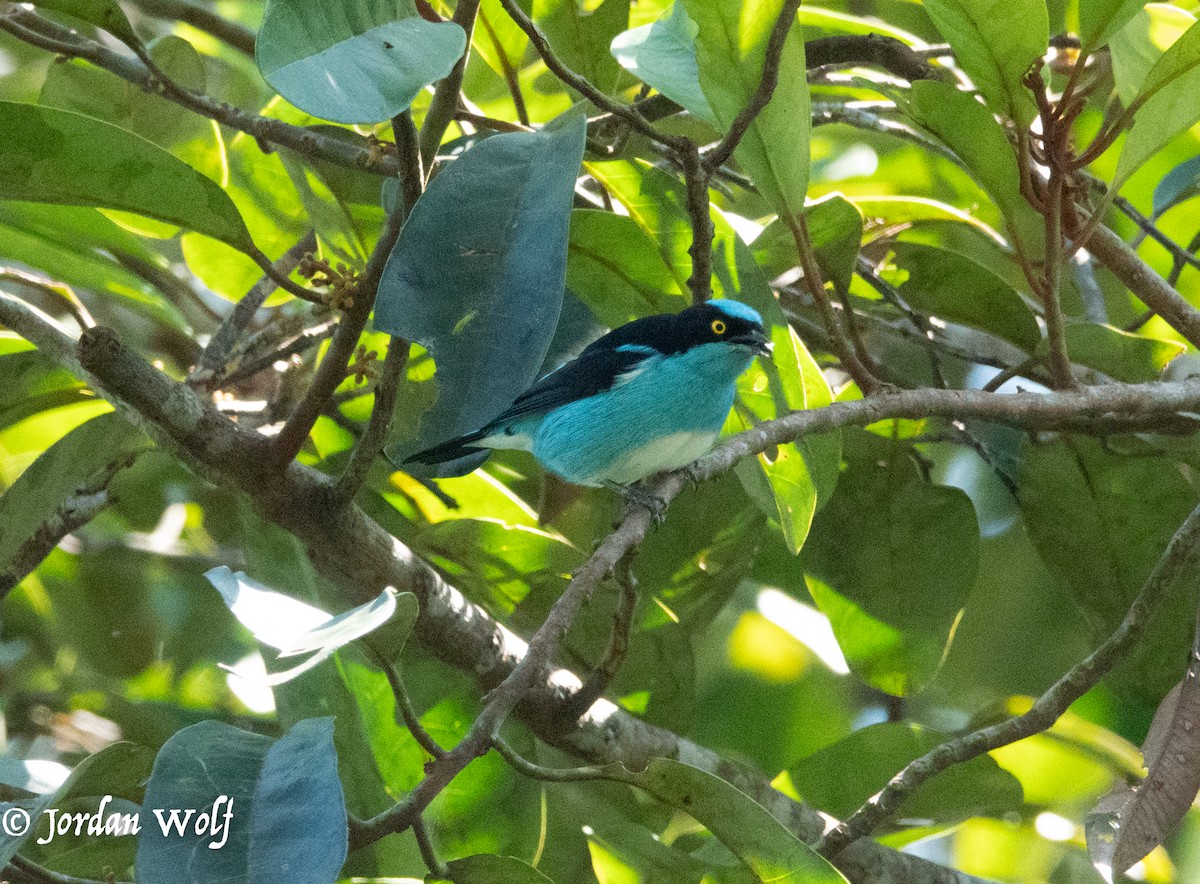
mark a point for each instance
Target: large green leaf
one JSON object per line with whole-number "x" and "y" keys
{"x": 895, "y": 594}
{"x": 955, "y": 288}
{"x": 762, "y": 842}
{"x": 1138, "y": 46}
{"x": 996, "y": 41}
{"x": 617, "y": 270}
{"x": 1101, "y": 19}
{"x": 841, "y": 777}
{"x": 969, "y": 130}
{"x": 1179, "y": 185}
{"x": 581, "y": 33}
{"x": 62, "y": 470}
{"x": 283, "y": 817}
{"x": 359, "y": 61}
{"x": 33, "y": 383}
{"x": 730, "y": 48}
{"x": 54, "y": 156}
{"x": 1100, "y": 517}
{"x": 1127, "y": 357}
{"x": 663, "y": 55}
{"x": 1170, "y": 105}
{"x": 477, "y": 274}
{"x": 488, "y": 868}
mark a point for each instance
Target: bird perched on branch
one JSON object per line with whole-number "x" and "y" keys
{"x": 647, "y": 397}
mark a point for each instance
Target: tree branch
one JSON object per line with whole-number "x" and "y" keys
{"x": 445, "y": 96}
{"x": 1046, "y": 710}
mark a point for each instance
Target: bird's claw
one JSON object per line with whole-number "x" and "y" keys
{"x": 692, "y": 475}
{"x": 636, "y": 495}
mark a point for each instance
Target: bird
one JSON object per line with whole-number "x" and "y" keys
{"x": 648, "y": 397}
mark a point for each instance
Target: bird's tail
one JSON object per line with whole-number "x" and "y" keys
{"x": 451, "y": 449}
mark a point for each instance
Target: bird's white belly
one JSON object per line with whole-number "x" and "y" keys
{"x": 665, "y": 453}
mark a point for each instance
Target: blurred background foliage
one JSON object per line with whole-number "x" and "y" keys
{"x": 964, "y": 567}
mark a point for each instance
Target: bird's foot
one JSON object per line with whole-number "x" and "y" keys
{"x": 692, "y": 475}
{"x": 636, "y": 495}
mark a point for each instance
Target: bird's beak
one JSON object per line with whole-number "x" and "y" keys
{"x": 756, "y": 341}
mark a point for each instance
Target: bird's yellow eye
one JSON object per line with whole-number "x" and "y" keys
{"x": 718, "y": 327}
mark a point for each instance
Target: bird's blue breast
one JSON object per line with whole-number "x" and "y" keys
{"x": 664, "y": 414}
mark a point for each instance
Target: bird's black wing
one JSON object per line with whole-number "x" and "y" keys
{"x": 592, "y": 371}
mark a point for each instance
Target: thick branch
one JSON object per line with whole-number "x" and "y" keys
{"x": 1046, "y": 710}
{"x": 240, "y": 38}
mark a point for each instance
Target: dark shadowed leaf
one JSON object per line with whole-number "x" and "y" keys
{"x": 955, "y": 288}
{"x": 663, "y": 55}
{"x": 54, "y": 156}
{"x": 33, "y": 383}
{"x": 477, "y": 274}
{"x": 895, "y": 594}
{"x": 993, "y": 52}
{"x": 359, "y": 61}
{"x": 840, "y": 778}
{"x": 286, "y": 815}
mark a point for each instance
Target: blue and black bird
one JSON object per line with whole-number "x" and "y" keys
{"x": 649, "y": 396}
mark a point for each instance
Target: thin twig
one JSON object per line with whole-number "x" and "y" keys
{"x": 57, "y": 290}
{"x": 618, "y": 643}
{"x": 306, "y": 340}
{"x": 534, "y": 771}
{"x": 404, "y": 704}
{"x": 212, "y": 361}
{"x": 425, "y": 845}
{"x": 1046, "y": 710}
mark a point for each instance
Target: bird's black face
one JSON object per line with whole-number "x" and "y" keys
{"x": 711, "y": 324}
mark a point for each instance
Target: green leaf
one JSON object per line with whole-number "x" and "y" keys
{"x": 497, "y": 39}
{"x": 1140, "y": 44}
{"x": 33, "y": 383}
{"x": 481, "y": 260}
{"x": 841, "y": 777}
{"x": 1170, "y": 107}
{"x": 663, "y": 55}
{"x": 1100, "y": 519}
{"x": 488, "y": 868}
{"x": 105, "y": 14}
{"x": 617, "y": 270}
{"x": 835, "y": 227}
{"x": 730, "y": 49}
{"x": 283, "y": 817}
{"x": 1119, "y": 354}
{"x": 762, "y": 842}
{"x": 969, "y": 129}
{"x": 581, "y": 33}
{"x": 62, "y": 470}
{"x": 1180, "y": 184}
{"x": 895, "y": 594}
{"x": 1099, "y": 20}
{"x": 360, "y": 61}
{"x": 955, "y": 288}
{"x": 996, "y": 41}
{"x": 54, "y": 156}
